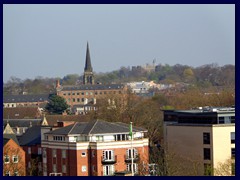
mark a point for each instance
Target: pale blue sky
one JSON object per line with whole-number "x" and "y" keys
{"x": 50, "y": 40}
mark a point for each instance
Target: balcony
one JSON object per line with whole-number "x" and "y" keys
{"x": 129, "y": 159}
{"x": 113, "y": 160}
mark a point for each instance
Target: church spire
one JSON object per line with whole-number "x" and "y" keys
{"x": 88, "y": 77}
{"x": 88, "y": 66}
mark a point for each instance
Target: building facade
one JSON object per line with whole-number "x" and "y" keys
{"x": 201, "y": 141}
{"x": 88, "y": 91}
{"x": 95, "y": 148}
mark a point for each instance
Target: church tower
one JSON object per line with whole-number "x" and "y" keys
{"x": 88, "y": 77}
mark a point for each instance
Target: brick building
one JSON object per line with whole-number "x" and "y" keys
{"x": 13, "y": 154}
{"x": 88, "y": 91}
{"x": 95, "y": 148}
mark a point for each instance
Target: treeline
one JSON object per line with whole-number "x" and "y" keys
{"x": 207, "y": 76}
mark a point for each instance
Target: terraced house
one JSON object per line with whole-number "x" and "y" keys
{"x": 89, "y": 91}
{"x": 95, "y": 148}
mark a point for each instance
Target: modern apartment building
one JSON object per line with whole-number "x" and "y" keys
{"x": 202, "y": 141}
{"x": 95, "y": 148}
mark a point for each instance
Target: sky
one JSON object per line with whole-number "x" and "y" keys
{"x": 50, "y": 40}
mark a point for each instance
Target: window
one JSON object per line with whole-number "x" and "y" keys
{"x": 78, "y": 100}
{"x": 221, "y": 120}
{"x": 54, "y": 153}
{"x": 135, "y": 167}
{"x": 69, "y": 94}
{"x": 206, "y": 138}
{"x": 58, "y": 138}
{"x": 6, "y": 159}
{"x": 129, "y": 153}
{"x": 15, "y": 173}
{"x": 39, "y": 151}
{"x": 54, "y": 168}
{"x": 64, "y": 170}
{"x": 63, "y": 153}
{"x": 84, "y": 168}
{"x": 29, "y": 164}
{"x": 232, "y": 118}
{"x": 207, "y": 169}
{"x": 73, "y": 93}
{"x": 108, "y": 170}
{"x": 86, "y": 93}
{"x": 93, "y": 168}
{"x": 96, "y": 93}
{"x": 93, "y": 153}
{"x": 15, "y": 159}
{"x": 232, "y": 137}
{"x": 99, "y": 138}
{"x": 83, "y": 154}
{"x": 108, "y": 155}
{"x": 82, "y": 93}
{"x": 233, "y": 153}
{"x": 206, "y": 154}
{"x": 82, "y": 99}
{"x": 73, "y": 99}
{"x": 44, "y": 153}
{"x": 29, "y": 150}
{"x": 233, "y": 168}
{"x": 7, "y": 173}
{"x": 77, "y": 93}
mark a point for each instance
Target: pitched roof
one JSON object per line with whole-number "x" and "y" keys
{"x": 25, "y": 98}
{"x": 7, "y": 137}
{"x": 93, "y": 87}
{"x": 21, "y": 113}
{"x": 88, "y": 65}
{"x": 31, "y": 137}
{"x": 96, "y": 127}
{"x": 54, "y": 119}
{"x": 22, "y": 122}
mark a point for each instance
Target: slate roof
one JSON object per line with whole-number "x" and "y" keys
{"x": 25, "y": 98}
{"x": 31, "y": 137}
{"x": 93, "y": 87}
{"x": 53, "y": 119}
{"x": 22, "y": 122}
{"x": 21, "y": 113}
{"x": 96, "y": 127}
{"x": 7, "y": 137}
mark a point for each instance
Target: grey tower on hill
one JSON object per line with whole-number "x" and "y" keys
{"x": 88, "y": 77}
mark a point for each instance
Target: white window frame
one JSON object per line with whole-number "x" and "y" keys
{"x": 7, "y": 173}
{"x": 108, "y": 155}
{"x": 6, "y": 157}
{"x": 83, "y": 154}
{"x": 108, "y": 170}
{"x": 84, "y": 168}
{"x": 64, "y": 168}
{"x": 29, "y": 150}
{"x": 13, "y": 159}
{"x": 135, "y": 166}
{"x": 54, "y": 153}
{"x": 39, "y": 150}
{"x": 15, "y": 173}
{"x": 64, "y": 153}
{"x": 54, "y": 168}
{"x": 129, "y": 153}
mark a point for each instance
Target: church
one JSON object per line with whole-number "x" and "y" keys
{"x": 88, "y": 92}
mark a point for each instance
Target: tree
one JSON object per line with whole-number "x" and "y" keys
{"x": 56, "y": 104}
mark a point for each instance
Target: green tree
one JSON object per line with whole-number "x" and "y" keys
{"x": 56, "y": 104}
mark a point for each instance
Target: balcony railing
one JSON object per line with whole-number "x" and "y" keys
{"x": 113, "y": 160}
{"x": 129, "y": 159}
